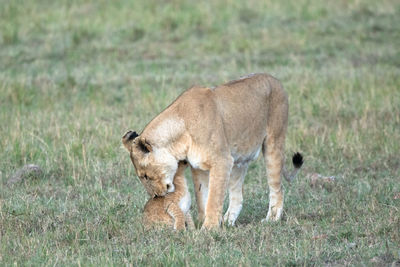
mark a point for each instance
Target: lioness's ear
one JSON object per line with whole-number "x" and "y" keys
{"x": 127, "y": 139}
{"x": 145, "y": 146}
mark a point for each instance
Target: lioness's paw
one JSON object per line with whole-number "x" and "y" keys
{"x": 200, "y": 217}
{"x": 229, "y": 219}
{"x": 273, "y": 215}
{"x": 267, "y": 220}
{"x": 209, "y": 225}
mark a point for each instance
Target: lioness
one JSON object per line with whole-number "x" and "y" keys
{"x": 218, "y": 131}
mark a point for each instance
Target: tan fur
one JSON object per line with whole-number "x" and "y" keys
{"x": 219, "y": 131}
{"x": 166, "y": 211}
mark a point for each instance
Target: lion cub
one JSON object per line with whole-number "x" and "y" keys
{"x": 173, "y": 208}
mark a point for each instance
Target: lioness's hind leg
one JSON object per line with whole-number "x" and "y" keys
{"x": 274, "y": 161}
{"x": 273, "y": 150}
{"x": 235, "y": 193}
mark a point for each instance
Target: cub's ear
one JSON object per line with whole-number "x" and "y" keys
{"x": 128, "y": 138}
{"x": 145, "y": 146}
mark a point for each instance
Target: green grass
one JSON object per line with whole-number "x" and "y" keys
{"x": 75, "y": 75}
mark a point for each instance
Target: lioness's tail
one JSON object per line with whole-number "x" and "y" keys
{"x": 297, "y": 161}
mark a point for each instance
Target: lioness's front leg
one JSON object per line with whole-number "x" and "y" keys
{"x": 219, "y": 177}
{"x": 200, "y": 180}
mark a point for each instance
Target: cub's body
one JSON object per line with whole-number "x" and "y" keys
{"x": 171, "y": 210}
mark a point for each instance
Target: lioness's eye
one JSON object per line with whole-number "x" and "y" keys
{"x": 145, "y": 177}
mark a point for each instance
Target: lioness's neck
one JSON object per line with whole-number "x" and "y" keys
{"x": 163, "y": 128}
{"x": 167, "y": 131}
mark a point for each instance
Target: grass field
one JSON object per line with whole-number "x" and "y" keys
{"x": 75, "y": 75}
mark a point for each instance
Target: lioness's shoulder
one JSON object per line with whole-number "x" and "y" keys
{"x": 197, "y": 93}
{"x": 195, "y": 101}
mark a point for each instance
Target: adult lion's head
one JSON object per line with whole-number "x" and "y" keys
{"x": 154, "y": 166}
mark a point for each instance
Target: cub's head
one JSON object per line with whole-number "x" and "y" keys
{"x": 154, "y": 166}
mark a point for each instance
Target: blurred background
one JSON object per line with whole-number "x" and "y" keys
{"x": 75, "y": 75}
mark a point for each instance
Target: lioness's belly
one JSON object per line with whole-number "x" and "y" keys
{"x": 241, "y": 159}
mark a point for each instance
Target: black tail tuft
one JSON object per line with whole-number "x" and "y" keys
{"x": 297, "y": 160}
